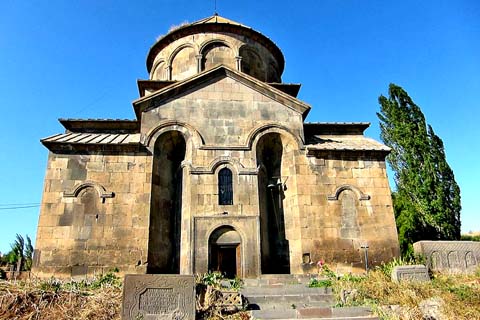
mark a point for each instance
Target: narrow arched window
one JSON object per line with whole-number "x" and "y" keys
{"x": 225, "y": 189}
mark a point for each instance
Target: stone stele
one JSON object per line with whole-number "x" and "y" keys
{"x": 155, "y": 296}
{"x": 412, "y": 273}
{"x": 450, "y": 256}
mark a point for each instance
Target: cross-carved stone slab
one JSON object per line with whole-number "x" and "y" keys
{"x": 155, "y": 297}
{"x": 416, "y": 272}
{"x": 450, "y": 256}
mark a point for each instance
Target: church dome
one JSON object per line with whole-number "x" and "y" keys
{"x": 202, "y": 45}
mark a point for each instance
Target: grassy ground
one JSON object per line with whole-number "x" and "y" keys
{"x": 101, "y": 298}
{"x": 98, "y": 299}
{"x": 458, "y": 295}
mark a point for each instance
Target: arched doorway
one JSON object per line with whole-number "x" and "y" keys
{"x": 166, "y": 204}
{"x": 224, "y": 246}
{"x": 270, "y": 152}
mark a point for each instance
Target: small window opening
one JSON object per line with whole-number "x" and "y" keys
{"x": 225, "y": 188}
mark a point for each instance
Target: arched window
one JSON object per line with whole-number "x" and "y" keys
{"x": 225, "y": 189}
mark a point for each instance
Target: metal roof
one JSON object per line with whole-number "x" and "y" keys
{"x": 93, "y": 138}
{"x": 345, "y": 142}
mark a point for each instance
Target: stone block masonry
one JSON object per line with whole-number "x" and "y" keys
{"x": 158, "y": 297}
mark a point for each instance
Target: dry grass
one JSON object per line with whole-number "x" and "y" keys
{"x": 102, "y": 299}
{"x": 35, "y": 300}
{"x": 460, "y": 295}
{"x": 99, "y": 298}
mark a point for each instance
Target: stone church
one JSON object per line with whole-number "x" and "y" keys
{"x": 218, "y": 171}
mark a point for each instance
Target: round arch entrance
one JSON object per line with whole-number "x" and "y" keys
{"x": 224, "y": 246}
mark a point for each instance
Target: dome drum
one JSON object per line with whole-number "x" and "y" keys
{"x": 214, "y": 41}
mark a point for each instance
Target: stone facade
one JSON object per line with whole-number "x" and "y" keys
{"x": 218, "y": 171}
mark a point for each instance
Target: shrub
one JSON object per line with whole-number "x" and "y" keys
{"x": 50, "y": 285}
{"x": 320, "y": 283}
{"x": 210, "y": 278}
{"x": 387, "y": 268}
{"x": 110, "y": 279}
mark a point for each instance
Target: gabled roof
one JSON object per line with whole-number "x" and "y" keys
{"x": 145, "y": 86}
{"x": 155, "y": 99}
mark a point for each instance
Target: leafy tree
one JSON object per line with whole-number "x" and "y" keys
{"x": 427, "y": 198}
{"x": 21, "y": 253}
{"x": 28, "y": 254}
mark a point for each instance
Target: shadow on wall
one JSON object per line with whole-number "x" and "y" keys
{"x": 274, "y": 245}
{"x": 166, "y": 204}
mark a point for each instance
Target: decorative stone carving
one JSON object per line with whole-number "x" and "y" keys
{"x": 155, "y": 296}
{"x": 412, "y": 273}
{"x": 102, "y": 192}
{"x": 451, "y": 256}
{"x": 360, "y": 194}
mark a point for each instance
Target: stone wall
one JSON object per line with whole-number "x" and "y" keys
{"x": 158, "y": 211}
{"x": 225, "y": 113}
{"x": 332, "y": 204}
{"x": 344, "y": 202}
{"x": 187, "y": 56}
{"x": 94, "y": 214}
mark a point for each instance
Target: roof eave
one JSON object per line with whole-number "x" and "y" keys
{"x": 80, "y": 125}
{"x": 69, "y": 147}
{"x": 319, "y": 128}
{"x": 379, "y": 154}
{"x": 140, "y": 104}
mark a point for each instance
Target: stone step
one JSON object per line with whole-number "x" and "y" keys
{"x": 287, "y": 302}
{"x": 276, "y": 279}
{"x": 284, "y": 289}
{"x": 285, "y": 292}
{"x": 346, "y": 313}
{"x": 352, "y": 312}
{"x": 274, "y": 314}
{"x": 300, "y": 297}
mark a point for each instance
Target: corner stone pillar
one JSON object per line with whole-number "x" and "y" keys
{"x": 186, "y": 233}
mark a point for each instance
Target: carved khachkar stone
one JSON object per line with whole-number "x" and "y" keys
{"x": 411, "y": 273}
{"x": 451, "y": 256}
{"x": 155, "y": 297}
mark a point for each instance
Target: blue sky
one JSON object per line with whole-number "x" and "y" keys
{"x": 81, "y": 59}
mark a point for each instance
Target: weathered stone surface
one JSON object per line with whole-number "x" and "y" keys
{"x": 432, "y": 308}
{"x": 158, "y": 297}
{"x": 410, "y": 273}
{"x": 450, "y": 256}
{"x": 143, "y": 195}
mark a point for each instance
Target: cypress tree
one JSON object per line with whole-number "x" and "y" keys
{"x": 427, "y": 198}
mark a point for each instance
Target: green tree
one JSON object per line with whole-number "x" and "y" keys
{"x": 28, "y": 253}
{"x": 427, "y": 198}
{"x": 21, "y": 253}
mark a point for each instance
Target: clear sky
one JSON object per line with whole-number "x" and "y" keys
{"x": 81, "y": 59}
